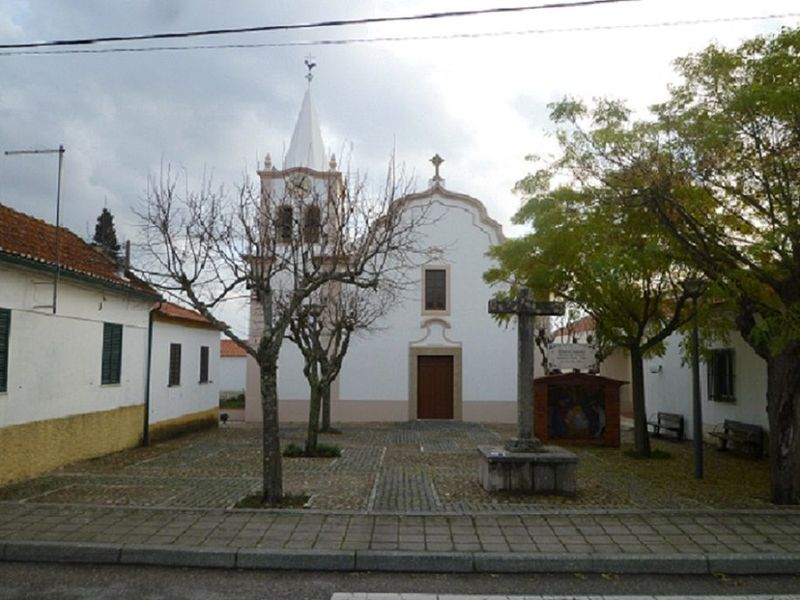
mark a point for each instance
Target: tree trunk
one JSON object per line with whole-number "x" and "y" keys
{"x": 313, "y": 419}
{"x": 270, "y": 444}
{"x": 640, "y": 435}
{"x": 326, "y": 408}
{"x": 783, "y": 394}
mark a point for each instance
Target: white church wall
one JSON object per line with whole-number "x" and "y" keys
{"x": 377, "y": 368}
{"x": 668, "y": 386}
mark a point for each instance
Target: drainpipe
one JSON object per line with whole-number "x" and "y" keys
{"x": 146, "y": 432}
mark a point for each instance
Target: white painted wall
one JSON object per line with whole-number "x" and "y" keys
{"x": 669, "y": 388}
{"x": 377, "y": 366}
{"x": 55, "y": 360}
{"x": 376, "y": 369}
{"x": 191, "y": 396}
{"x": 232, "y": 374}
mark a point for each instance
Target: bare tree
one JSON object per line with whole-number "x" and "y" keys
{"x": 278, "y": 245}
{"x": 322, "y": 331}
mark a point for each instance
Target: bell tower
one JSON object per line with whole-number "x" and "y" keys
{"x": 302, "y": 194}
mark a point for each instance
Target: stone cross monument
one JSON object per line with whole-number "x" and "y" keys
{"x": 526, "y": 308}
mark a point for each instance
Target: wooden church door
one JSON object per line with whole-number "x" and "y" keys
{"x": 434, "y": 387}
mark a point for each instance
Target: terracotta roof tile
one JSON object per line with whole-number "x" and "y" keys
{"x": 174, "y": 311}
{"x": 27, "y": 238}
{"x": 230, "y": 348}
{"x": 582, "y": 325}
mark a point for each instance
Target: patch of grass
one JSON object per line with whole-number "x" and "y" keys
{"x": 289, "y": 501}
{"x": 323, "y": 451}
{"x": 332, "y": 431}
{"x": 655, "y": 453}
{"x": 234, "y": 402}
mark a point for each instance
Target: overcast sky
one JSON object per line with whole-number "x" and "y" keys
{"x": 480, "y": 102}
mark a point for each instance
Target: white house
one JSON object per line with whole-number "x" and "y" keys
{"x": 232, "y": 369}
{"x": 184, "y": 380}
{"x": 73, "y": 360}
{"x": 733, "y": 384}
{"x": 438, "y": 354}
{"x": 74, "y": 356}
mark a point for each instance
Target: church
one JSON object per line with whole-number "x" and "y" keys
{"x": 437, "y": 354}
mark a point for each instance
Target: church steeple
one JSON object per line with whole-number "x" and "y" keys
{"x": 306, "y": 148}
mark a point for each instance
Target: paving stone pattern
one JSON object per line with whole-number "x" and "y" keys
{"x": 410, "y": 467}
{"x": 603, "y": 533}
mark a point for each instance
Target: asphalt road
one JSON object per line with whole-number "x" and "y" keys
{"x": 72, "y": 582}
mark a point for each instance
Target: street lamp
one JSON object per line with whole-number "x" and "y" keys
{"x": 693, "y": 288}
{"x": 60, "y": 151}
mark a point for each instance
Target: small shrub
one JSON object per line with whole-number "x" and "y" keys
{"x": 293, "y": 451}
{"x": 233, "y": 402}
{"x": 323, "y": 451}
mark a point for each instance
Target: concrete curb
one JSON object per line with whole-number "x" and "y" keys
{"x": 754, "y": 564}
{"x": 398, "y": 561}
{"x": 414, "y": 562}
{"x": 78, "y": 552}
{"x": 302, "y": 560}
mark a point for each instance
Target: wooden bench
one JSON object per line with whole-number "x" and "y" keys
{"x": 669, "y": 421}
{"x": 741, "y": 434}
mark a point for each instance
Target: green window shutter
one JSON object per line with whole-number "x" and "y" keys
{"x": 111, "y": 369}
{"x": 203, "y": 364}
{"x": 5, "y": 335}
{"x": 174, "y": 364}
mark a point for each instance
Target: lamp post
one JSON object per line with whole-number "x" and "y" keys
{"x": 60, "y": 152}
{"x": 694, "y": 288}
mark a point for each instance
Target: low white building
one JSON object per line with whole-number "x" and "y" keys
{"x": 73, "y": 364}
{"x": 733, "y": 384}
{"x": 438, "y": 354}
{"x": 184, "y": 380}
{"x": 232, "y": 369}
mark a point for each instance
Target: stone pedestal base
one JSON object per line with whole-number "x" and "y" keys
{"x": 550, "y": 471}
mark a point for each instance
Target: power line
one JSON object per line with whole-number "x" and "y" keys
{"x": 450, "y": 36}
{"x": 316, "y": 25}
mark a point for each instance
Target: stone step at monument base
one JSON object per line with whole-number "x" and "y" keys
{"x": 550, "y": 471}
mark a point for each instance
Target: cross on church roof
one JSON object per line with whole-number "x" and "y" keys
{"x": 437, "y": 161}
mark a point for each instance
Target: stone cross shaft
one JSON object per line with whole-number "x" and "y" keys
{"x": 526, "y": 309}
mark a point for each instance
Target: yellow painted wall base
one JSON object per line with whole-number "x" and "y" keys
{"x": 192, "y": 422}
{"x": 34, "y": 448}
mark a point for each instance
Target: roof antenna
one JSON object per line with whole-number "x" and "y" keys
{"x": 310, "y": 65}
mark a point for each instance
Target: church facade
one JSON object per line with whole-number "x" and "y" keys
{"x": 437, "y": 354}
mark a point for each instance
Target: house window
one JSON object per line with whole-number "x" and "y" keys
{"x": 203, "y": 364}
{"x": 285, "y": 215}
{"x": 435, "y": 289}
{"x": 311, "y": 224}
{"x": 112, "y": 354}
{"x": 721, "y": 376}
{"x": 174, "y": 364}
{"x": 5, "y": 335}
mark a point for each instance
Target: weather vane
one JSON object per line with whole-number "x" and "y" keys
{"x": 310, "y": 65}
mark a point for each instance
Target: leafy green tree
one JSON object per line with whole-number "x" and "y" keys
{"x": 726, "y": 186}
{"x": 591, "y": 247}
{"x": 104, "y": 233}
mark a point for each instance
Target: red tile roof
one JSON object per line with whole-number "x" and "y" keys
{"x": 582, "y": 325}
{"x": 230, "y": 348}
{"x": 174, "y": 311}
{"x": 32, "y": 240}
